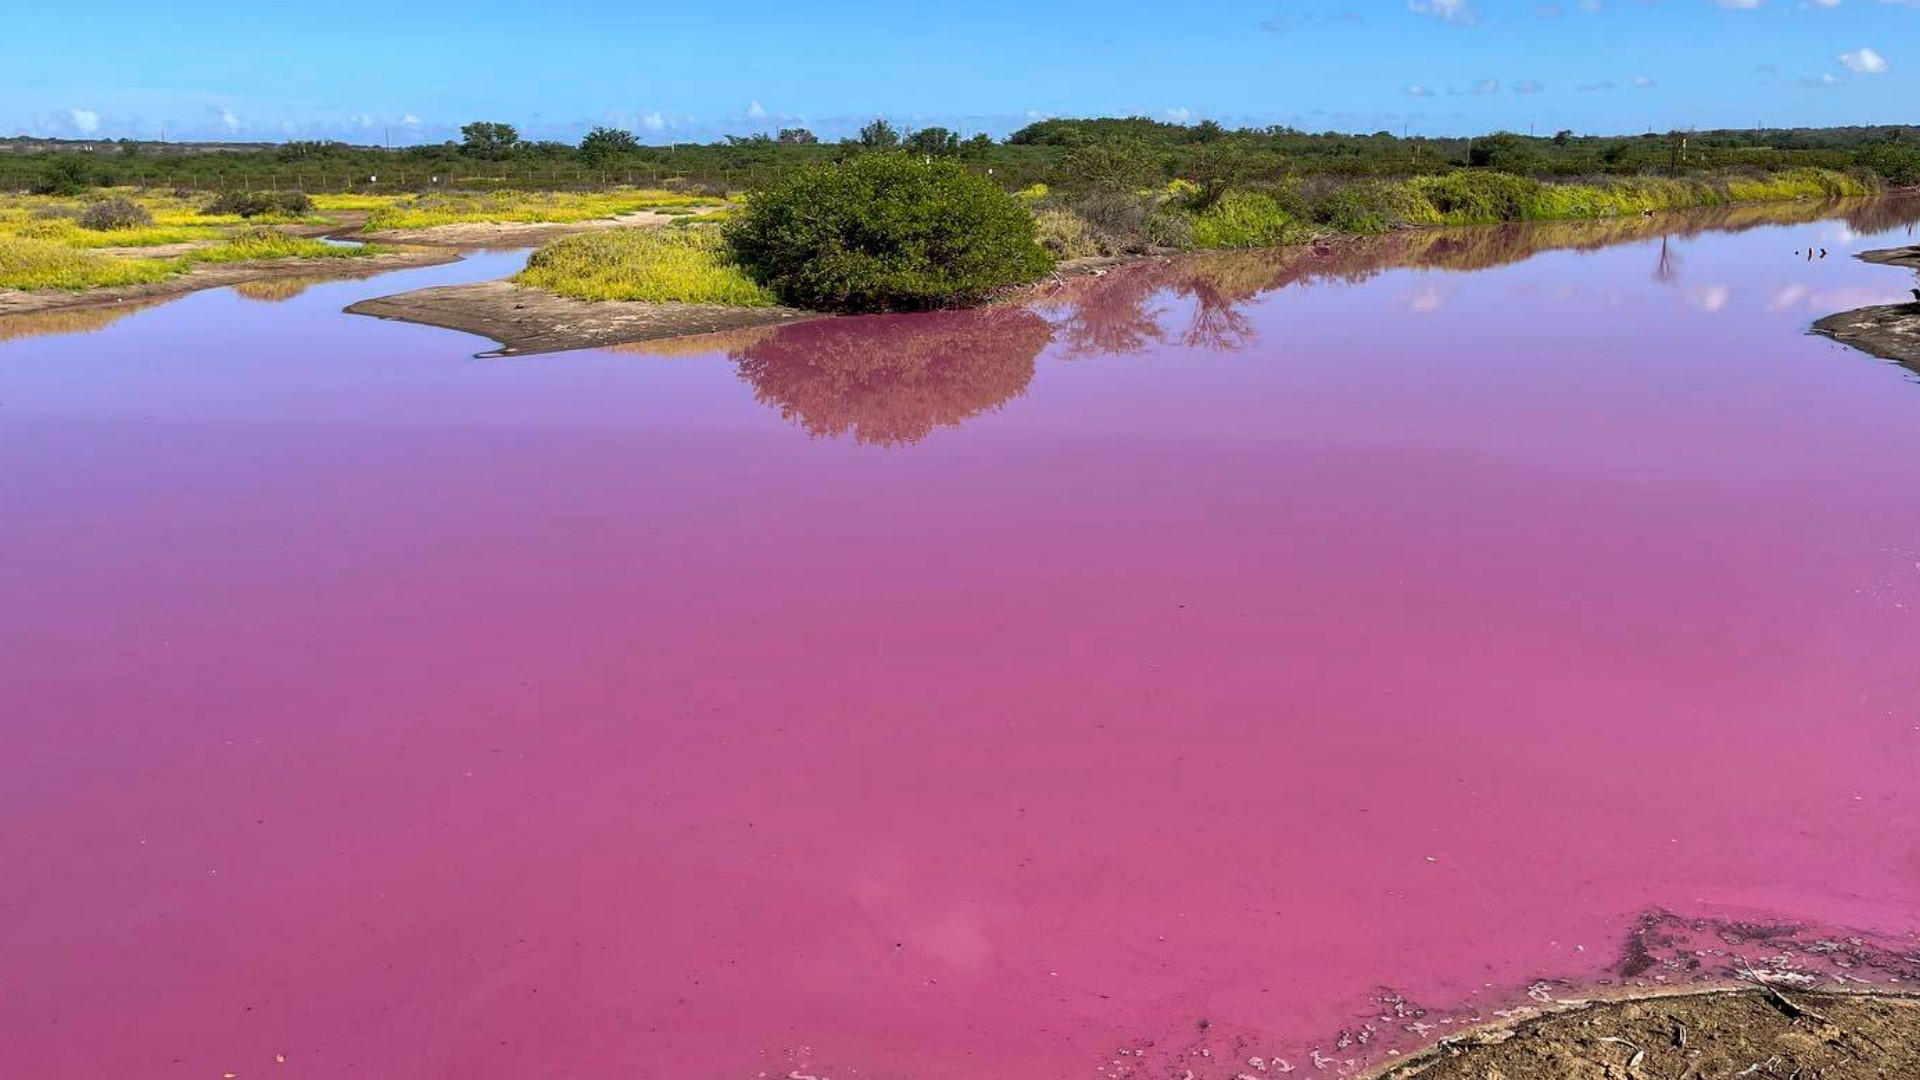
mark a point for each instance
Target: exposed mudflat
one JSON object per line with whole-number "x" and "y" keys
{"x": 19, "y": 302}
{"x": 524, "y": 320}
{"x": 1889, "y": 331}
{"x": 1759, "y": 1032}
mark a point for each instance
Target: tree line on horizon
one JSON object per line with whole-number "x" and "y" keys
{"x": 1052, "y": 151}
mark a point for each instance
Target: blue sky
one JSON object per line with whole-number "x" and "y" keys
{"x": 417, "y": 69}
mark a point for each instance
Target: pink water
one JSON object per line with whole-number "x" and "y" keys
{"x": 954, "y": 697}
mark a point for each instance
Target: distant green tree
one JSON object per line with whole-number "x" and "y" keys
{"x": 879, "y": 135}
{"x": 1207, "y": 131}
{"x": 603, "y": 144}
{"x": 797, "y": 136}
{"x": 1109, "y": 165}
{"x": 933, "y": 140}
{"x": 1898, "y": 164}
{"x": 488, "y": 139}
{"x": 66, "y": 174}
{"x": 1504, "y": 151}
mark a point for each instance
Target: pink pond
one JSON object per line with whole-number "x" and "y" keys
{"x": 1277, "y": 656}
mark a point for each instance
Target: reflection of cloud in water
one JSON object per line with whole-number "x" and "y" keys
{"x": 1427, "y": 298}
{"x": 1711, "y": 299}
{"x": 1824, "y": 301}
{"x": 892, "y": 379}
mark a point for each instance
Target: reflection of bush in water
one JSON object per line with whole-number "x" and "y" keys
{"x": 893, "y": 379}
{"x": 272, "y": 290}
{"x": 1120, "y": 312}
{"x": 84, "y": 320}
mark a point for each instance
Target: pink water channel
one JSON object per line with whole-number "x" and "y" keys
{"x": 1285, "y": 657}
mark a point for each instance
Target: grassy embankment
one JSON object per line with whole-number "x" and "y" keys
{"x": 689, "y": 266}
{"x": 1095, "y": 223}
{"x": 695, "y": 265}
{"x": 510, "y": 207}
{"x": 45, "y": 245}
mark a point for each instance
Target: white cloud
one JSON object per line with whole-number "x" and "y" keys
{"x": 1644, "y": 82}
{"x": 85, "y": 121}
{"x": 653, "y": 121}
{"x": 228, "y": 118}
{"x": 1416, "y": 90}
{"x": 1864, "y": 62}
{"x": 1529, "y": 86}
{"x": 1739, "y": 5}
{"x": 409, "y": 120}
{"x": 1456, "y": 12}
{"x": 1180, "y": 115}
{"x": 755, "y": 111}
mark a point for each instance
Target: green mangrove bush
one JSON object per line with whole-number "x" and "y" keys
{"x": 886, "y": 232}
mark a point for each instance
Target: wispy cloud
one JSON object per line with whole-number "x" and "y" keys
{"x": 1453, "y": 12}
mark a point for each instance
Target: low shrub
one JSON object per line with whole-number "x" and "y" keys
{"x": 1479, "y": 198}
{"x": 113, "y": 214}
{"x": 1066, "y": 234}
{"x": 886, "y": 232}
{"x": 252, "y": 204}
{"x": 689, "y": 266}
{"x": 1245, "y": 219}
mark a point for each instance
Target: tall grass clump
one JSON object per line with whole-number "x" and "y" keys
{"x": 887, "y": 232}
{"x": 689, "y": 266}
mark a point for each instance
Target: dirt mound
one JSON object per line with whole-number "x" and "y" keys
{"x": 1760, "y": 1033}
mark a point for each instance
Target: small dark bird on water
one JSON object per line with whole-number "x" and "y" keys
{"x": 1916, "y": 296}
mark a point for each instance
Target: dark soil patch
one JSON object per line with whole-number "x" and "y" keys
{"x": 1760, "y": 1033}
{"x": 1891, "y": 331}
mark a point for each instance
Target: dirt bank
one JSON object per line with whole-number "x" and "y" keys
{"x": 1756, "y": 1032}
{"x": 1889, "y": 331}
{"x": 525, "y": 321}
{"x": 220, "y": 275}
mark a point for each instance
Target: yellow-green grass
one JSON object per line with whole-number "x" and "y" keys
{"x": 1256, "y": 219}
{"x": 27, "y": 263}
{"x": 689, "y": 266}
{"x": 262, "y": 244}
{"x": 519, "y": 207}
{"x": 41, "y": 264}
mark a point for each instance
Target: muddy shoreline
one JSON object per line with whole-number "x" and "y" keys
{"x": 525, "y": 321}
{"x": 1888, "y": 331}
{"x": 20, "y": 302}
